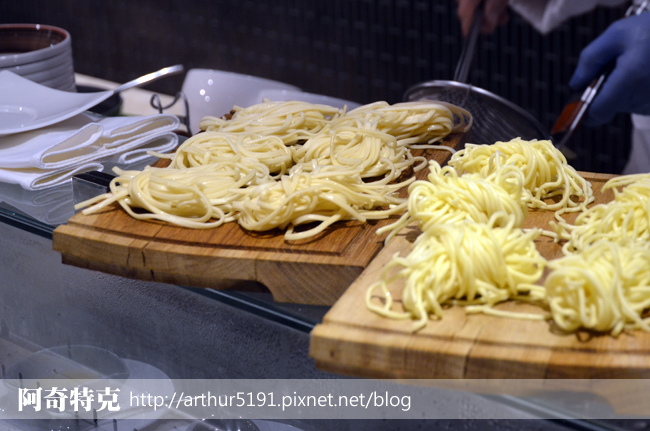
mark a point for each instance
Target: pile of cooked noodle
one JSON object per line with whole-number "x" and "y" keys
{"x": 465, "y": 263}
{"x": 473, "y": 252}
{"x": 288, "y": 164}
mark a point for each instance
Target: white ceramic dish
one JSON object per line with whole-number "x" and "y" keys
{"x": 282, "y": 95}
{"x": 26, "y": 105}
{"x": 214, "y": 92}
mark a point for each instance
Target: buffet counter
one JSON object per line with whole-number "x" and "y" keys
{"x": 46, "y": 303}
{"x": 170, "y": 330}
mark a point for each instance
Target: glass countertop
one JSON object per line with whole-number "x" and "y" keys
{"x": 40, "y": 212}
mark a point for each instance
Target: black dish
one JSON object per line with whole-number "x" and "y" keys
{"x": 109, "y": 107}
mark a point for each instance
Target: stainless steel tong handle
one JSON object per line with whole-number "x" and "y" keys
{"x": 149, "y": 77}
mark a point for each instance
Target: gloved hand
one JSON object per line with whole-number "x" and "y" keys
{"x": 495, "y": 13}
{"x": 627, "y": 89}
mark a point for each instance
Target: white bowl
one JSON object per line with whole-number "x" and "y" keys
{"x": 27, "y": 43}
{"x": 214, "y": 92}
{"x": 282, "y": 95}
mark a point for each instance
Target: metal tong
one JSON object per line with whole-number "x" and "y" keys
{"x": 155, "y": 101}
{"x": 469, "y": 46}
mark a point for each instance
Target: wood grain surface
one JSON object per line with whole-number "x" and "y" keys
{"x": 355, "y": 341}
{"x": 311, "y": 271}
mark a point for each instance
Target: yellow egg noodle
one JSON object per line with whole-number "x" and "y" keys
{"x": 605, "y": 288}
{"x": 547, "y": 173}
{"x": 603, "y": 281}
{"x": 624, "y": 220}
{"x": 454, "y": 196}
{"x": 287, "y": 164}
{"x": 447, "y": 197}
{"x": 480, "y": 184}
{"x": 466, "y": 263}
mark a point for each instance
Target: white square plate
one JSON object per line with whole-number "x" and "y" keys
{"x": 26, "y": 105}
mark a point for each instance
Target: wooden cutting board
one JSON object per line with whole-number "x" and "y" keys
{"x": 312, "y": 271}
{"x": 355, "y": 341}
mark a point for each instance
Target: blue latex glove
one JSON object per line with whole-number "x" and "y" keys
{"x": 627, "y": 89}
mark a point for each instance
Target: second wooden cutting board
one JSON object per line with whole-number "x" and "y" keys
{"x": 355, "y": 341}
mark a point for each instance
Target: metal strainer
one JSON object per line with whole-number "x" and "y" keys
{"x": 494, "y": 118}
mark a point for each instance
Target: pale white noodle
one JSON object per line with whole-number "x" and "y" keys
{"x": 216, "y": 147}
{"x": 199, "y": 197}
{"x": 465, "y": 263}
{"x": 413, "y": 122}
{"x": 324, "y": 196}
{"x": 287, "y": 164}
{"x": 359, "y": 147}
{"x": 292, "y": 121}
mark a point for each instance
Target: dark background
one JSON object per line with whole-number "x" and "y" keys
{"x": 361, "y": 50}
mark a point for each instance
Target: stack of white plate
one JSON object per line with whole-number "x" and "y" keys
{"x": 38, "y": 52}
